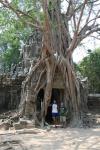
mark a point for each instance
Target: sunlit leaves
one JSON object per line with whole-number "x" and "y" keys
{"x": 90, "y": 67}
{"x": 12, "y": 32}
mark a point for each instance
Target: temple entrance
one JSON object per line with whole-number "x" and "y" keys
{"x": 57, "y": 95}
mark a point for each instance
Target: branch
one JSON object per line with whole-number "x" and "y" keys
{"x": 83, "y": 35}
{"x": 81, "y": 14}
{"x": 72, "y": 12}
{"x": 69, "y": 7}
{"x": 95, "y": 37}
{"x": 86, "y": 30}
{"x": 19, "y": 14}
{"x": 96, "y": 17}
{"x": 74, "y": 41}
{"x": 74, "y": 18}
{"x": 95, "y": 29}
{"x": 89, "y": 14}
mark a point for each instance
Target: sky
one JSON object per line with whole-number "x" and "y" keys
{"x": 82, "y": 51}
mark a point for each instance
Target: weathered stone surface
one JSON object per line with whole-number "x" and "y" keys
{"x": 11, "y": 82}
{"x": 32, "y": 49}
{"x": 5, "y": 125}
{"x": 10, "y": 92}
{"x": 24, "y": 124}
{"x": 17, "y": 126}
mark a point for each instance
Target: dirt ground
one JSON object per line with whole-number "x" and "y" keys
{"x": 55, "y": 139}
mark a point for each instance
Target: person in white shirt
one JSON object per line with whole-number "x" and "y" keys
{"x": 55, "y": 112}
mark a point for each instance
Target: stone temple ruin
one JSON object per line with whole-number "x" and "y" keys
{"x": 11, "y": 82}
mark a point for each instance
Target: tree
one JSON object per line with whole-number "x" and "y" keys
{"x": 62, "y": 33}
{"x": 13, "y": 32}
{"x": 90, "y": 67}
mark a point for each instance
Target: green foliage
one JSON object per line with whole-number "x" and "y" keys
{"x": 14, "y": 28}
{"x": 90, "y": 67}
{"x": 77, "y": 67}
{"x": 10, "y": 57}
{"x": 13, "y": 32}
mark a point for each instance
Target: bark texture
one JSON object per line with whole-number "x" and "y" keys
{"x": 56, "y": 56}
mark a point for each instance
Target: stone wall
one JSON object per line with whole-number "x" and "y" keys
{"x": 32, "y": 49}
{"x": 10, "y": 82}
{"x": 94, "y": 101}
{"x": 10, "y": 92}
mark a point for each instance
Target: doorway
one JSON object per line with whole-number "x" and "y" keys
{"x": 57, "y": 95}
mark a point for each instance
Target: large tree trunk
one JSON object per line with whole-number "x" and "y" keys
{"x": 56, "y": 54}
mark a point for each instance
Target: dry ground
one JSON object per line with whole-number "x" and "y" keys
{"x": 55, "y": 139}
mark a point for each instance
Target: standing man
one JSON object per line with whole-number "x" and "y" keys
{"x": 55, "y": 113}
{"x": 63, "y": 115}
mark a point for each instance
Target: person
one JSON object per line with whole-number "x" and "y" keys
{"x": 55, "y": 113}
{"x": 63, "y": 113}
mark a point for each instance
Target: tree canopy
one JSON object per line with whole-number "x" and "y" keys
{"x": 90, "y": 67}
{"x": 13, "y": 35}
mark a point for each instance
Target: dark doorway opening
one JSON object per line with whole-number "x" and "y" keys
{"x": 57, "y": 95}
{"x": 40, "y": 98}
{"x": 39, "y": 102}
